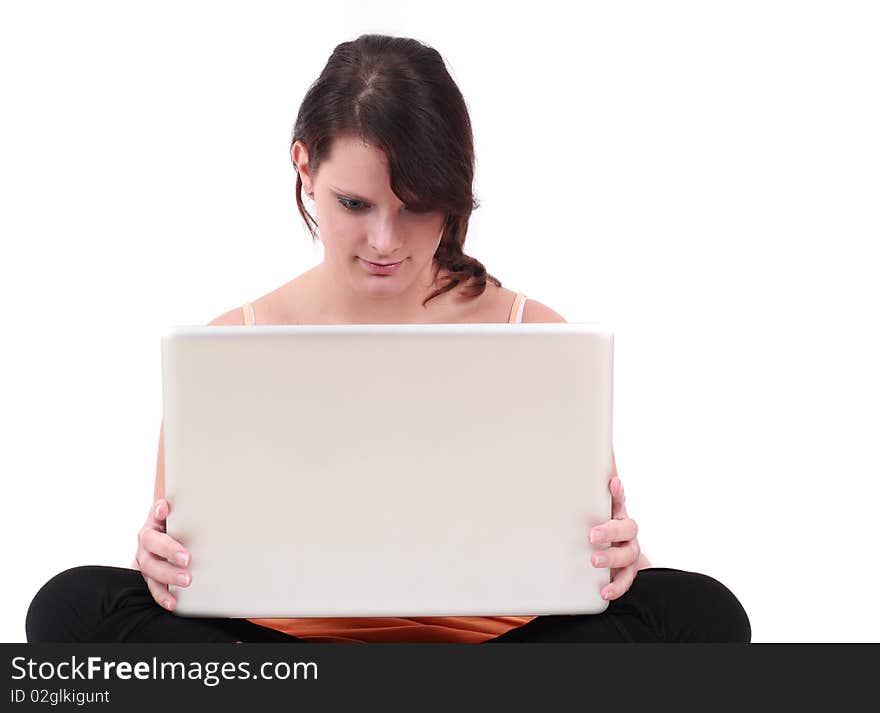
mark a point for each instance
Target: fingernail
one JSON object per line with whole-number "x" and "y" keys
{"x": 600, "y": 560}
{"x": 183, "y": 578}
{"x": 597, "y": 536}
{"x": 181, "y": 558}
{"x": 157, "y": 510}
{"x": 167, "y": 604}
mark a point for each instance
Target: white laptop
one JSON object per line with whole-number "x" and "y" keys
{"x": 388, "y": 470}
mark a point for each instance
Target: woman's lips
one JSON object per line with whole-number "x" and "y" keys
{"x": 379, "y": 269}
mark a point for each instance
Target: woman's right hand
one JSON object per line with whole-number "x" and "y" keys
{"x": 160, "y": 557}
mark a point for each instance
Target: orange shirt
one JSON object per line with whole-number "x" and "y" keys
{"x": 447, "y": 629}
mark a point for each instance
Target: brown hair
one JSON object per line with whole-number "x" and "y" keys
{"x": 396, "y": 94}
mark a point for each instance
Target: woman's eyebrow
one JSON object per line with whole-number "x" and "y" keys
{"x": 355, "y": 196}
{"x": 351, "y": 195}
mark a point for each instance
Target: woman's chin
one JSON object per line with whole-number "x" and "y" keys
{"x": 390, "y": 282}
{"x": 377, "y": 288}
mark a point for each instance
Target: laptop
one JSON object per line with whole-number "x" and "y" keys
{"x": 402, "y": 470}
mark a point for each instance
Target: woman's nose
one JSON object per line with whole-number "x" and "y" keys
{"x": 385, "y": 243}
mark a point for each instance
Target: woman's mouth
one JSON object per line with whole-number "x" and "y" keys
{"x": 376, "y": 268}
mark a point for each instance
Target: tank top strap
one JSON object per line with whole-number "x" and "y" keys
{"x": 516, "y": 309}
{"x": 247, "y": 309}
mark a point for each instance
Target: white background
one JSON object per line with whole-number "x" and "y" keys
{"x": 702, "y": 176}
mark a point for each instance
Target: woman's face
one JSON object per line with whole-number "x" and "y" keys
{"x": 362, "y": 221}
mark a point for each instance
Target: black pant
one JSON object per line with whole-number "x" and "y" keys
{"x": 107, "y": 604}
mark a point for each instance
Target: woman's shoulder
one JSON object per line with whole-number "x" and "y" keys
{"x": 231, "y": 318}
{"x": 500, "y": 301}
{"x": 263, "y": 312}
{"x": 535, "y": 311}
{"x": 274, "y": 307}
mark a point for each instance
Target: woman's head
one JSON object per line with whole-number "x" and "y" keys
{"x": 384, "y": 143}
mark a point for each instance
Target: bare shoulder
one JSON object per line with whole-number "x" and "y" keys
{"x": 496, "y": 305}
{"x": 534, "y": 311}
{"x": 231, "y": 318}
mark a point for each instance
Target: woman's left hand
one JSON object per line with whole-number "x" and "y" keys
{"x": 623, "y": 555}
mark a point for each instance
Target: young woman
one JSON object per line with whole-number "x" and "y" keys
{"x": 383, "y": 151}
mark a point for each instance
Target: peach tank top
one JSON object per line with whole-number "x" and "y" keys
{"x": 446, "y": 629}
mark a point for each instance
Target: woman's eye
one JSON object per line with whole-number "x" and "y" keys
{"x": 348, "y": 204}
{"x": 356, "y": 206}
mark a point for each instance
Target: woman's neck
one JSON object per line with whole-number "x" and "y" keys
{"x": 336, "y": 303}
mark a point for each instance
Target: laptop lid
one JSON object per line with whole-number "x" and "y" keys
{"x": 388, "y": 470}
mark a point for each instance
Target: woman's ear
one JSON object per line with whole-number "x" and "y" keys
{"x": 299, "y": 154}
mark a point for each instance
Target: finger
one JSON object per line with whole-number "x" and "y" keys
{"x": 617, "y": 557}
{"x": 614, "y": 531}
{"x": 163, "y": 572}
{"x": 162, "y": 545}
{"x": 159, "y": 511}
{"x": 621, "y": 581}
{"x": 158, "y": 514}
{"x": 618, "y": 499}
{"x": 160, "y": 593}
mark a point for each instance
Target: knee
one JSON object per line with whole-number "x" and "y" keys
{"x": 46, "y": 619}
{"x": 723, "y": 617}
